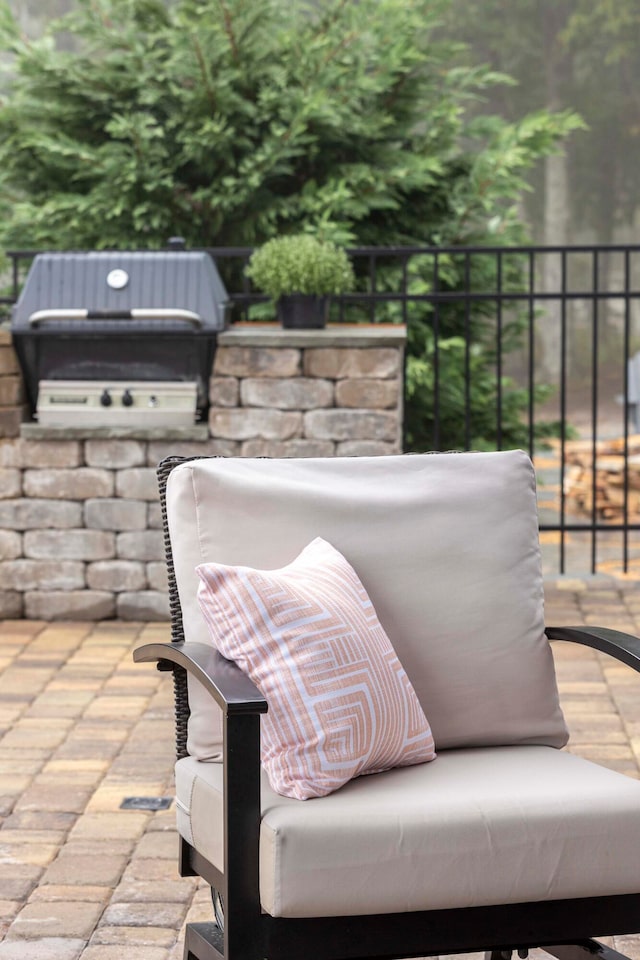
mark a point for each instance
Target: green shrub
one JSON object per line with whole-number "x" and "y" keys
{"x": 300, "y": 264}
{"x": 230, "y": 122}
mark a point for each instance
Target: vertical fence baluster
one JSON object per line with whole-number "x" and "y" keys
{"x": 405, "y": 356}
{"x": 15, "y": 274}
{"x": 372, "y": 286}
{"x": 594, "y": 410}
{"x": 563, "y": 403}
{"x": 405, "y": 290}
{"x": 627, "y": 350}
{"x": 467, "y": 352}
{"x": 436, "y": 354}
{"x": 532, "y": 349}
{"x": 246, "y": 288}
{"x": 499, "y": 351}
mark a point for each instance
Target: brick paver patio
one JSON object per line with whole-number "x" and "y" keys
{"x": 82, "y": 727}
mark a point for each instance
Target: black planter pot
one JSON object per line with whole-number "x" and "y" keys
{"x": 301, "y": 311}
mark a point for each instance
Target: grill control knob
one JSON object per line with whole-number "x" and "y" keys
{"x": 127, "y": 399}
{"x": 105, "y": 398}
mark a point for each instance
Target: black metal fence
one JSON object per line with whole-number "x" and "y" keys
{"x": 509, "y": 346}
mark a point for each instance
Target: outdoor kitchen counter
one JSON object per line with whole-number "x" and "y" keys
{"x": 80, "y": 522}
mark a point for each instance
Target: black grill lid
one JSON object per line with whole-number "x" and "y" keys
{"x": 161, "y": 290}
{"x": 120, "y": 316}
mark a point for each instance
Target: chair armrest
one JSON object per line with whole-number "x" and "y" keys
{"x": 232, "y": 690}
{"x": 241, "y": 703}
{"x": 622, "y": 646}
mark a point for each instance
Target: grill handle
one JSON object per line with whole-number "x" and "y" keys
{"x": 137, "y": 313}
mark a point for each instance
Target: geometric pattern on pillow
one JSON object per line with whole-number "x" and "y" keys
{"x": 340, "y": 702}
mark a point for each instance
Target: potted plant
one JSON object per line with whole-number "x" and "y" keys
{"x": 300, "y": 273}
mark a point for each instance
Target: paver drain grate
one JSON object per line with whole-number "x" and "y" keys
{"x": 146, "y": 803}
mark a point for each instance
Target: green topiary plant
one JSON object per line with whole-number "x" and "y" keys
{"x": 300, "y": 273}
{"x": 300, "y": 264}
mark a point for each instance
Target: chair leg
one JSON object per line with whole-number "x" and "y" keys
{"x": 584, "y": 950}
{"x": 203, "y": 941}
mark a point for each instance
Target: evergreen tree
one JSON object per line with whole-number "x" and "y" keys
{"x": 230, "y": 120}
{"x": 577, "y": 53}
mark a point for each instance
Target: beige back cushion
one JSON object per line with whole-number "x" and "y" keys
{"x": 446, "y": 545}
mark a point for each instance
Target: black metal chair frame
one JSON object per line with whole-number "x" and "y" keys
{"x": 563, "y": 928}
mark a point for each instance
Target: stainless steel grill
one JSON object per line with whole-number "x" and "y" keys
{"x": 122, "y": 327}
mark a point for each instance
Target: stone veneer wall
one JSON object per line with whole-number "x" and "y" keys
{"x": 283, "y": 393}
{"x": 80, "y": 526}
{"x": 11, "y": 391}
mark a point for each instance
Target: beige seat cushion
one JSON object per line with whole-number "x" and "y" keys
{"x": 446, "y": 546}
{"x": 476, "y": 827}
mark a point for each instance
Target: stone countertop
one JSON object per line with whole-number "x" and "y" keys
{"x": 333, "y": 335}
{"x": 33, "y": 431}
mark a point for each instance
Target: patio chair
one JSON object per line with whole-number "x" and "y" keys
{"x": 505, "y": 841}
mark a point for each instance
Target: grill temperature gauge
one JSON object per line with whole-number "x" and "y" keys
{"x": 117, "y": 279}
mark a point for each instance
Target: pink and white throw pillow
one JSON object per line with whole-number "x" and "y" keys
{"x": 340, "y": 702}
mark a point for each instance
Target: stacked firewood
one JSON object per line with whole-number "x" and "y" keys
{"x": 609, "y": 487}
